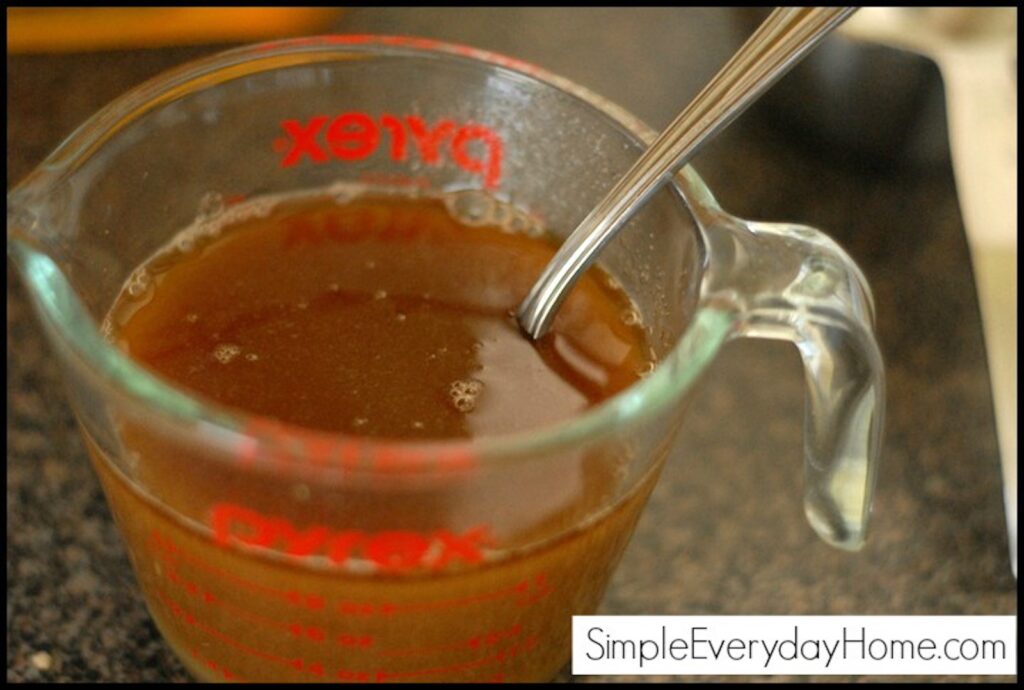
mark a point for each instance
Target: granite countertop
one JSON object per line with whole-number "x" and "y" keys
{"x": 724, "y": 532}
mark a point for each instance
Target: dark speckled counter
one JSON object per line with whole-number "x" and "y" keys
{"x": 724, "y": 532}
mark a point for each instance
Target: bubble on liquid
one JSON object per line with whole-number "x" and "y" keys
{"x": 344, "y": 192}
{"x": 471, "y": 208}
{"x": 259, "y": 208}
{"x": 106, "y": 328}
{"x": 464, "y": 394}
{"x": 645, "y": 370}
{"x": 380, "y": 294}
{"x": 211, "y": 205}
{"x": 515, "y": 224}
{"x": 630, "y": 317}
{"x": 302, "y": 305}
{"x": 360, "y": 421}
{"x": 371, "y": 264}
{"x": 225, "y": 352}
{"x": 251, "y": 356}
{"x": 500, "y": 213}
{"x": 534, "y": 229}
{"x": 185, "y": 243}
{"x": 192, "y": 317}
{"x": 417, "y": 425}
{"x": 333, "y": 287}
{"x": 139, "y": 282}
{"x": 400, "y": 317}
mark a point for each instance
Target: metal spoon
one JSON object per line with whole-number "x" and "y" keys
{"x": 786, "y": 36}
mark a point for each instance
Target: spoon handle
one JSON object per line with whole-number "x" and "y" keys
{"x": 778, "y": 44}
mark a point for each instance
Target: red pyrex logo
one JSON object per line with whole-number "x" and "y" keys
{"x": 392, "y": 551}
{"x": 353, "y": 136}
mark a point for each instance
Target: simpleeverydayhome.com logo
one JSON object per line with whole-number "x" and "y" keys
{"x": 785, "y": 645}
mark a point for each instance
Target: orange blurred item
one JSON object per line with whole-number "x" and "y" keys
{"x": 73, "y": 29}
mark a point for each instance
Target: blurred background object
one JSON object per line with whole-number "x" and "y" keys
{"x": 71, "y": 29}
{"x": 858, "y": 100}
{"x": 916, "y": 86}
{"x": 976, "y": 52}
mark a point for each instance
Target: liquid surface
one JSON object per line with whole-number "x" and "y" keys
{"x": 383, "y": 317}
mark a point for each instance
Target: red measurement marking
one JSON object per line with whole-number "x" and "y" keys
{"x": 488, "y": 639}
{"x": 289, "y": 448}
{"x": 348, "y": 640}
{"x": 524, "y": 593}
{"x": 500, "y": 657}
{"x": 534, "y": 590}
{"x": 314, "y": 633}
{"x": 309, "y": 601}
{"x": 179, "y": 612}
{"x": 215, "y": 666}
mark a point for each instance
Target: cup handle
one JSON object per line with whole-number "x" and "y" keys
{"x": 792, "y": 282}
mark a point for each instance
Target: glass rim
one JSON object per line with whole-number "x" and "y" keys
{"x": 233, "y": 429}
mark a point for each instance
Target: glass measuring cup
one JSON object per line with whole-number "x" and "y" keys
{"x": 267, "y": 552}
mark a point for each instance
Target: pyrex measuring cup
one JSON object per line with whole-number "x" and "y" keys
{"x": 270, "y": 552}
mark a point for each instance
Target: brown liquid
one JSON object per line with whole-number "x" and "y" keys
{"x": 382, "y": 317}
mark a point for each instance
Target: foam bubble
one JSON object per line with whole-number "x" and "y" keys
{"x": 225, "y": 352}
{"x": 139, "y": 282}
{"x": 344, "y": 192}
{"x": 464, "y": 393}
{"x": 259, "y": 208}
{"x": 630, "y": 317}
{"x": 534, "y": 229}
{"x": 211, "y": 205}
{"x": 471, "y": 208}
{"x": 500, "y": 213}
{"x": 185, "y": 243}
{"x": 252, "y": 356}
{"x": 514, "y": 224}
